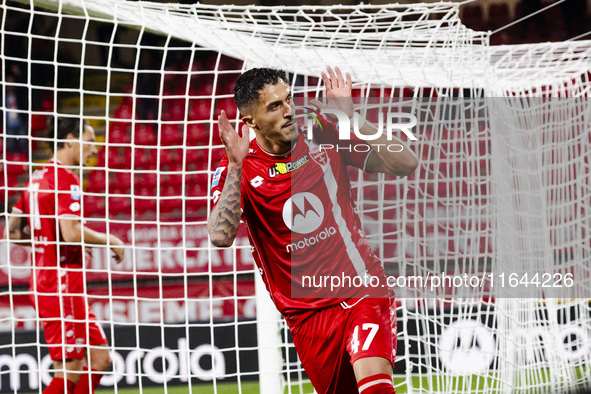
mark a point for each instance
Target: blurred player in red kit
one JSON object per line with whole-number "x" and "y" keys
{"x": 294, "y": 195}
{"x": 48, "y": 214}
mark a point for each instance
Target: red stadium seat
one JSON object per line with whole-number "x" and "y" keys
{"x": 196, "y": 208}
{"x": 119, "y": 206}
{"x": 38, "y": 123}
{"x": 94, "y": 206}
{"x": 200, "y": 109}
{"x": 171, "y": 206}
{"x": 119, "y": 157}
{"x": 147, "y": 202}
{"x": 17, "y": 164}
{"x": 228, "y": 63}
{"x": 97, "y": 181}
{"x": 150, "y": 180}
{"x": 169, "y": 190}
{"x": 39, "y": 120}
{"x": 144, "y": 134}
{"x": 100, "y": 157}
{"x": 119, "y": 182}
{"x": 215, "y": 136}
{"x": 124, "y": 111}
{"x": 226, "y": 104}
{"x": 139, "y": 183}
{"x": 145, "y": 159}
{"x": 204, "y": 85}
{"x": 216, "y": 156}
{"x": 174, "y": 109}
{"x": 171, "y": 134}
{"x": 140, "y": 158}
{"x": 175, "y": 181}
{"x": 197, "y": 134}
{"x": 196, "y": 158}
{"x": 169, "y": 157}
{"x": 226, "y": 83}
{"x": 118, "y": 133}
{"x": 196, "y": 185}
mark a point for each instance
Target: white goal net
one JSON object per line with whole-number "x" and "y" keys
{"x": 500, "y": 201}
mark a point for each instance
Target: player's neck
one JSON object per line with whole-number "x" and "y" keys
{"x": 274, "y": 147}
{"x": 64, "y": 158}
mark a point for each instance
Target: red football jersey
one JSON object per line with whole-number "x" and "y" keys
{"x": 43, "y": 202}
{"x": 302, "y": 222}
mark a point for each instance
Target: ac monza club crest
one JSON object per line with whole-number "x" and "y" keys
{"x": 319, "y": 156}
{"x": 303, "y": 213}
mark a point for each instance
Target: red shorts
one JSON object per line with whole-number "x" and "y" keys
{"x": 332, "y": 339}
{"x": 68, "y": 324}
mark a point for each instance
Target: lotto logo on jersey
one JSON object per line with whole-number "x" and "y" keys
{"x": 285, "y": 168}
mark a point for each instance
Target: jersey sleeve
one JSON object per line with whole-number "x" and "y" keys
{"x": 69, "y": 195}
{"x": 19, "y": 207}
{"x": 218, "y": 181}
{"x": 354, "y": 152}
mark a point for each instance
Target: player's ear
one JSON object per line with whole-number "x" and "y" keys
{"x": 248, "y": 120}
{"x": 70, "y": 139}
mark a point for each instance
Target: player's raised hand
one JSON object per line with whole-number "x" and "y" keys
{"x": 236, "y": 146}
{"x": 338, "y": 91}
{"x": 116, "y": 246}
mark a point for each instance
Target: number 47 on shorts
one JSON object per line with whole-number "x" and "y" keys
{"x": 373, "y": 330}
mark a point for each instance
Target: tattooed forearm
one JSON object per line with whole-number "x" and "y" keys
{"x": 225, "y": 218}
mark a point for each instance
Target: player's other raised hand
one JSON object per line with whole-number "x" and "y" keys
{"x": 236, "y": 145}
{"x": 117, "y": 248}
{"x": 338, "y": 91}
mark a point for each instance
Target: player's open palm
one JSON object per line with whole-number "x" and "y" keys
{"x": 236, "y": 146}
{"x": 338, "y": 91}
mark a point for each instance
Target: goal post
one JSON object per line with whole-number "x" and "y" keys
{"x": 501, "y": 193}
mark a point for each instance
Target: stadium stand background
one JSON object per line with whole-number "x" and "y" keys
{"x": 567, "y": 20}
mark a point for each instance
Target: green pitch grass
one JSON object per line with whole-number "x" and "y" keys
{"x": 222, "y": 388}
{"x": 253, "y": 387}
{"x": 435, "y": 383}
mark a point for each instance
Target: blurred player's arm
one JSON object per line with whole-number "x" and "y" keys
{"x": 225, "y": 217}
{"x": 400, "y": 162}
{"x": 15, "y": 228}
{"x": 74, "y": 231}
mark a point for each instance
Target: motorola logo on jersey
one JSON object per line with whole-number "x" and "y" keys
{"x": 303, "y": 213}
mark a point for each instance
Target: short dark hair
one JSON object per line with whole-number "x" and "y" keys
{"x": 248, "y": 85}
{"x": 65, "y": 126}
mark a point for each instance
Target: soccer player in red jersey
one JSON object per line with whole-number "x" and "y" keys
{"x": 294, "y": 195}
{"x": 48, "y": 213}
